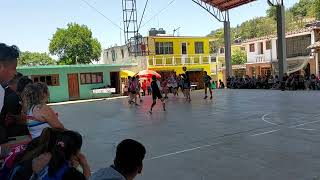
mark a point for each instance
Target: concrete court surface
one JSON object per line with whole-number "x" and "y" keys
{"x": 240, "y": 135}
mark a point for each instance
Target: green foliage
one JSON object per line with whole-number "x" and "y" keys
{"x": 75, "y": 44}
{"x": 272, "y": 12}
{"x": 301, "y": 8}
{"x": 238, "y": 57}
{"x": 35, "y": 59}
{"x": 264, "y": 26}
{"x": 317, "y": 9}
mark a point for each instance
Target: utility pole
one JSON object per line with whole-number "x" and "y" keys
{"x": 281, "y": 33}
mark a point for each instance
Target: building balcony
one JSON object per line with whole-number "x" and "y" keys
{"x": 178, "y": 60}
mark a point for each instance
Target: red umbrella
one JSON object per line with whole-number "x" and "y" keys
{"x": 148, "y": 74}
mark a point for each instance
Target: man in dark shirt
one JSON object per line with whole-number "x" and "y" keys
{"x": 207, "y": 85}
{"x": 156, "y": 94}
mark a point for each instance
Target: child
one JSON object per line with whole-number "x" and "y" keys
{"x": 156, "y": 94}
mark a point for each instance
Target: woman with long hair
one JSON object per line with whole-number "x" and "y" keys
{"x": 38, "y": 114}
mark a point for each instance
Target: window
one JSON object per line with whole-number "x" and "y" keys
{"x": 122, "y": 53}
{"x": 113, "y": 54}
{"x": 107, "y": 55}
{"x": 251, "y": 47}
{"x": 91, "y": 78}
{"x": 164, "y": 47}
{"x": 213, "y": 59}
{"x": 50, "y": 80}
{"x": 221, "y": 50}
{"x": 198, "y": 47}
{"x": 268, "y": 45}
{"x": 298, "y": 46}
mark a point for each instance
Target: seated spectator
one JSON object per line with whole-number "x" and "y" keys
{"x": 221, "y": 84}
{"x": 8, "y": 63}
{"x": 58, "y": 163}
{"x": 10, "y": 115}
{"x": 313, "y": 81}
{"x": 38, "y": 114}
{"x": 33, "y": 149}
{"x": 127, "y": 164}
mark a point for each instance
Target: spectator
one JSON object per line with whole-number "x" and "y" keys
{"x": 26, "y": 153}
{"x": 313, "y": 81}
{"x": 127, "y": 163}
{"x": 8, "y": 64}
{"x": 221, "y": 84}
{"x": 39, "y": 114}
{"x": 144, "y": 87}
{"x": 10, "y": 116}
{"x": 58, "y": 163}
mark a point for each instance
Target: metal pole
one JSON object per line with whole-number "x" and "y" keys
{"x": 281, "y": 40}
{"x": 227, "y": 45}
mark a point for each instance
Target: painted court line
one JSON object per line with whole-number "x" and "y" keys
{"x": 183, "y": 151}
{"x": 306, "y": 129}
{"x": 304, "y": 124}
{"x": 84, "y": 101}
{"x": 268, "y": 132}
{"x": 264, "y": 119}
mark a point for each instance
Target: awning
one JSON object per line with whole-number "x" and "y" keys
{"x": 224, "y": 5}
{"x": 126, "y": 73}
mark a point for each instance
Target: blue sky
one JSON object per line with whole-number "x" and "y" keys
{"x": 31, "y": 23}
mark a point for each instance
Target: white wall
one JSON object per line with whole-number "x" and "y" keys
{"x": 107, "y": 55}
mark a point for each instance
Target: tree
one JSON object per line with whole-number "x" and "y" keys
{"x": 238, "y": 57}
{"x": 272, "y": 12}
{"x": 317, "y": 9}
{"x": 301, "y": 8}
{"x": 75, "y": 44}
{"x": 35, "y": 59}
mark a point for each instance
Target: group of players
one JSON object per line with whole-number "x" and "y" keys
{"x": 156, "y": 89}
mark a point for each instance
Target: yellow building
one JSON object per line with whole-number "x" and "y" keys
{"x": 171, "y": 53}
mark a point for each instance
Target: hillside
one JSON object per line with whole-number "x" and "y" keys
{"x": 296, "y": 17}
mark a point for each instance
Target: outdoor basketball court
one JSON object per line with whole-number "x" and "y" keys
{"x": 242, "y": 134}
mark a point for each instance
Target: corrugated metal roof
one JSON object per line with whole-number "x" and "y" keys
{"x": 303, "y": 30}
{"x": 77, "y": 66}
{"x": 224, "y": 5}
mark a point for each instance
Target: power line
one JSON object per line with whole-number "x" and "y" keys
{"x": 144, "y": 10}
{"x": 171, "y": 2}
{"x": 86, "y": 2}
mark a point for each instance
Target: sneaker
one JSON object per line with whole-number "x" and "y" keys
{"x": 150, "y": 112}
{"x": 205, "y": 97}
{"x": 211, "y": 97}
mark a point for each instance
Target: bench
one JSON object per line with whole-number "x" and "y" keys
{"x": 193, "y": 87}
{"x": 102, "y": 91}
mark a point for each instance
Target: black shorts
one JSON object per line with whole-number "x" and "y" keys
{"x": 156, "y": 96}
{"x": 208, "y": 85}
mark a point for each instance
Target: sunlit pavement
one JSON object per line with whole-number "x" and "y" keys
{"x": 240, "y": 134}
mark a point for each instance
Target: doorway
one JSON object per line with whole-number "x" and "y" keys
{"x": 184, "y": 53}
{"x": 73, "y": 87}
{"x": 115, "y": 81}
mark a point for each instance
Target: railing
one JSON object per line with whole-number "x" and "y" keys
{"x": 178, "y": 60}
{"x": 260, "y": 58}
